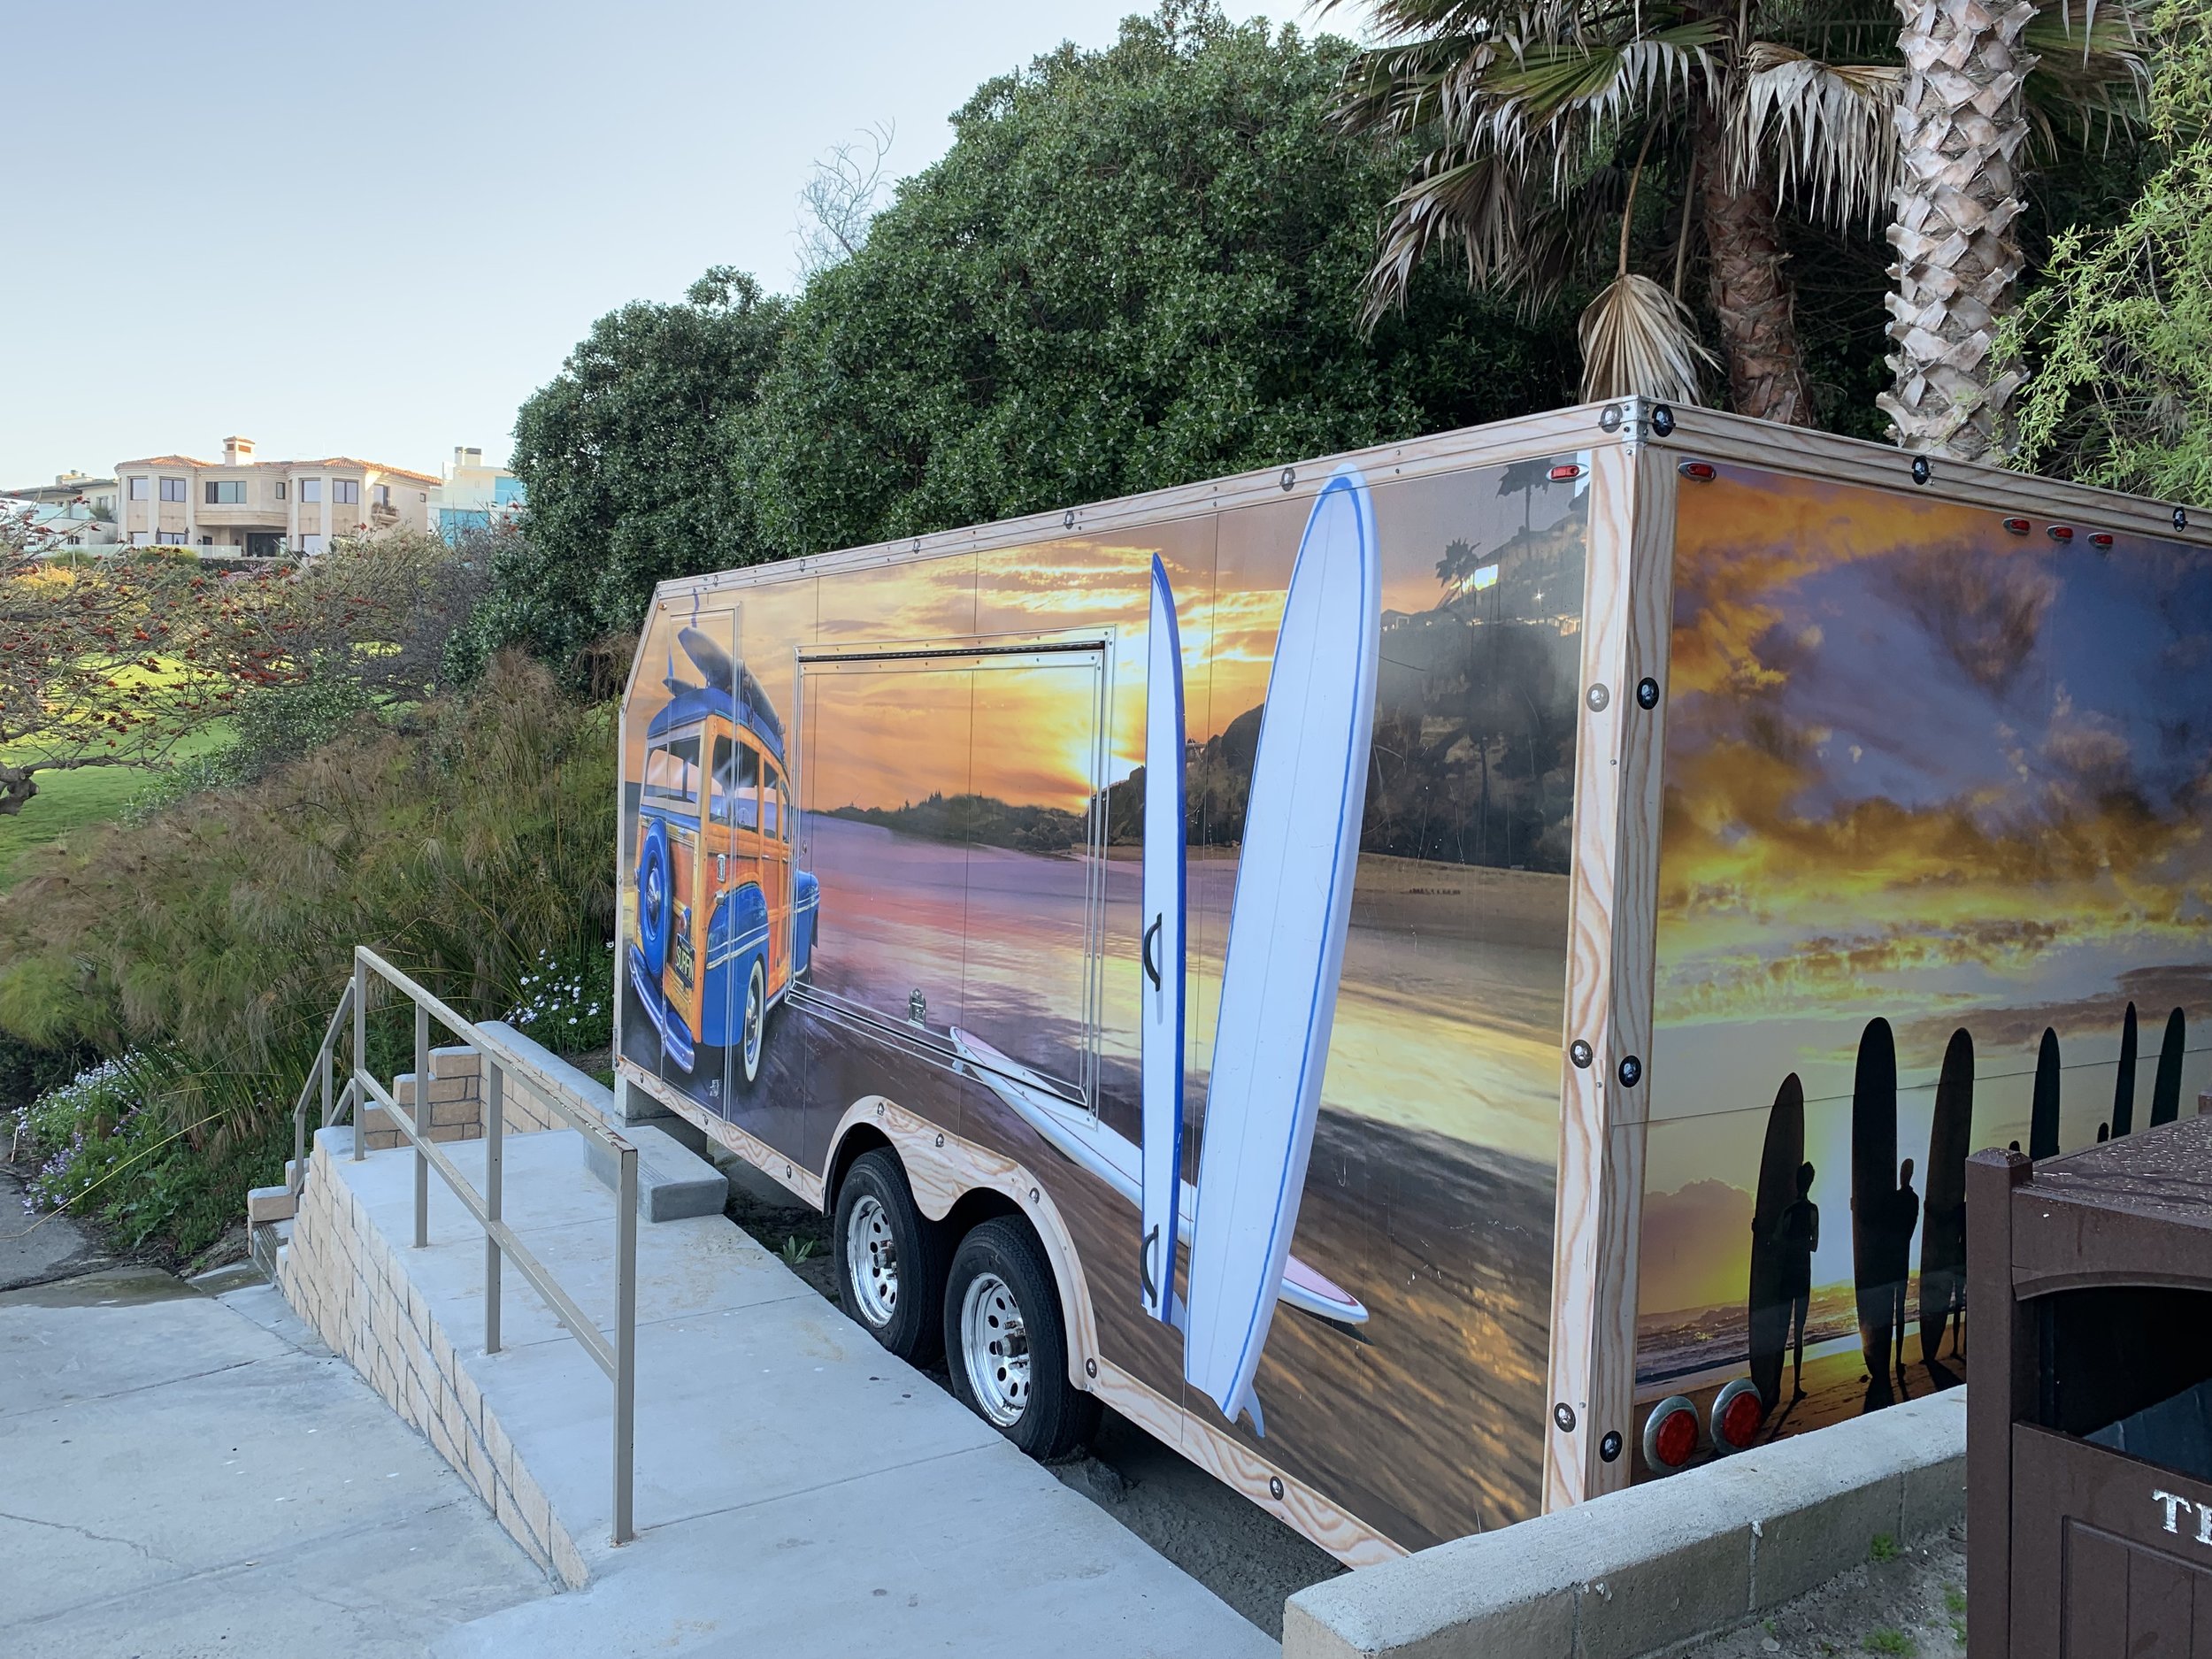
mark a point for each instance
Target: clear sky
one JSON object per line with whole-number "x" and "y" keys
{"x": 373, "y": 230}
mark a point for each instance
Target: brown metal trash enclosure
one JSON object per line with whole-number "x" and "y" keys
{"x": 2089, "y": 1436}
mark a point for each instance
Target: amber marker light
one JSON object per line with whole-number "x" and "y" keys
{"x": 1670, "y": 1434}
{"x": 1703, "y": 471}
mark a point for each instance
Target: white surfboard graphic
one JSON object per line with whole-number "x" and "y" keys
{"x": 1160, "y": 1020}
{"x": 1286, "y": 949}
{"x": 1114, "y": 1159}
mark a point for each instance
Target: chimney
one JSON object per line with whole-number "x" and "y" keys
{"x": 238, "y": 452}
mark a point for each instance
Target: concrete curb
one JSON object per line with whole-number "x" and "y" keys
{"x": 1660, "y": 1563}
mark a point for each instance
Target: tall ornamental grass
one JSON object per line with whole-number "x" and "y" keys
{"x": 468, "y": 844}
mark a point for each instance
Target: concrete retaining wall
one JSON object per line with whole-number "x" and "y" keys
{"x": 339, "y": 1274}
{"x": 1658, "y": 1564}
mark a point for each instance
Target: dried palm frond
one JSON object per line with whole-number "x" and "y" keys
{"x": 1638, "y": 340}
{"x": 1831, "y": 129}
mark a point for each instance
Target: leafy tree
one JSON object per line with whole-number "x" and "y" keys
{"x": 1534, "y": 128}
{"x": 1135, "y": 267}
{"x": 112, "y": 661}
{"x": 624, "y": 456}
{"x": 2122, "y": 394}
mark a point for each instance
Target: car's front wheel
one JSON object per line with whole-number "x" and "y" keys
{"x": 1007, "y": 1348}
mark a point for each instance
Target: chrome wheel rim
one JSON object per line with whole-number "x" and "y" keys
{"x": 994, "y": 1347}
{"x": 871, "y": 1262}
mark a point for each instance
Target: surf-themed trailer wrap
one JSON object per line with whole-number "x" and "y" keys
{"x": 1244, "y": 956}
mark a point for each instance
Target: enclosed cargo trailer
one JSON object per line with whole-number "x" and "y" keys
{"x": 1415, "y": 977}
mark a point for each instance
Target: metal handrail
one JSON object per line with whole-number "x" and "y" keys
{"x": 296, "y": 1177}
{"x": 615, "y": 1356}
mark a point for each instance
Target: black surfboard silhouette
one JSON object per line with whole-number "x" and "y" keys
{"x": 2124, "y": 1078}
{"x": 2043, "y": 1115}
{"x": 1943, "y": 1224}
{"x": 2166, "y": 1088}
{"x": 1770, "y": 1288}
{"x": 1873, "y": 1193}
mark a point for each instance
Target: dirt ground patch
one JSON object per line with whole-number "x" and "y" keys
{"x": 1905, "y": 1602}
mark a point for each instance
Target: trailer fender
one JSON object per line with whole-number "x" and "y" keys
{"x": 942, "y": 1169}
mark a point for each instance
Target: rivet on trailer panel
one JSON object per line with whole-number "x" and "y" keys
{"x": 1598, "y": 698}
{"x": 1921, "y": 471}
{"x": 1647, "y": 692}
{"x": 2181, "y": 518}
{"x": 1609, "y": 1448}
{"x": 1289, "y": 476}
{"x": 1275, "y": 1487}
{"x": 1661, "y": 419}
{"x": 1580, "y": 1053}
{"x": 1564, "y": 1414}
{"x": 1609, "y": 417}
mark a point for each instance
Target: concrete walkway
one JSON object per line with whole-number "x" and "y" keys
{"x": 187, "y": 1474}
{"x": 798, "y": 1490}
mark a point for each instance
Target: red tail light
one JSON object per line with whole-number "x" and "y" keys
{"x": 1671, "y": 1434}
{"x": 1566, "y": 472}
{"x": 2101, "y": 539}
{"x": 2018, "y": 526}
{"x": 2061, "y": 533}
{"x": 1703, "y": 471}
{"x": 1738, "y": 1412}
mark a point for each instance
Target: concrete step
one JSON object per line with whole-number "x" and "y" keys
{"x": 674, "y": 1182}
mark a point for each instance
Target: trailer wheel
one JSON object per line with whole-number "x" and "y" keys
{"x": 1008, "y": 1352}
{"x": 890, "y": 1259}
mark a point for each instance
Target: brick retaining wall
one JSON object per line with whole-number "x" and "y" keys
{"x": 343, "y": 1277}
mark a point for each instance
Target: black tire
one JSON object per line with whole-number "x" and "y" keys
{"x": 1052, "y": 1416}
{"x": 916, "y": 1247}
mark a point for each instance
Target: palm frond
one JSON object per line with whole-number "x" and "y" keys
{"x": 2084, "y": 74}
{"x": 1831, "y": 128}
{"x": 1638, "y": 340}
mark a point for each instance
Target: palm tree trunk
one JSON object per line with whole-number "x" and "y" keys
{"x": 1749, "y": 292}
{"x": 1960, "y": 120}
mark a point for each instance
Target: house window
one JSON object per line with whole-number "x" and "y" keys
{"x": 310, "y": 489}
{"x": 383, "y": 495}
{"x": 172, "y": 489}
{"x": 142, "y": 488}
{"x": 345, "y": 491}
{"x": 311, "y": 544}
{"x": 230, "y": 493}
{"x": 207, "y": 541}
{"x": 281, "y": 489}
{"x": 170, "y": 538}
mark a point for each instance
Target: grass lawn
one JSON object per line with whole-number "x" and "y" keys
{"x": 69, "y": 801}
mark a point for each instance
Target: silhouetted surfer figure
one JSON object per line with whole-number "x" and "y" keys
{"x": 1800, "y": 1237}
{"x": 1897, "y": 1230}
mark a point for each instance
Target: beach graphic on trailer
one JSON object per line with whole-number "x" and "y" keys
{"x": 995, "y": 818}
{"x": 1935, "y": 795}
